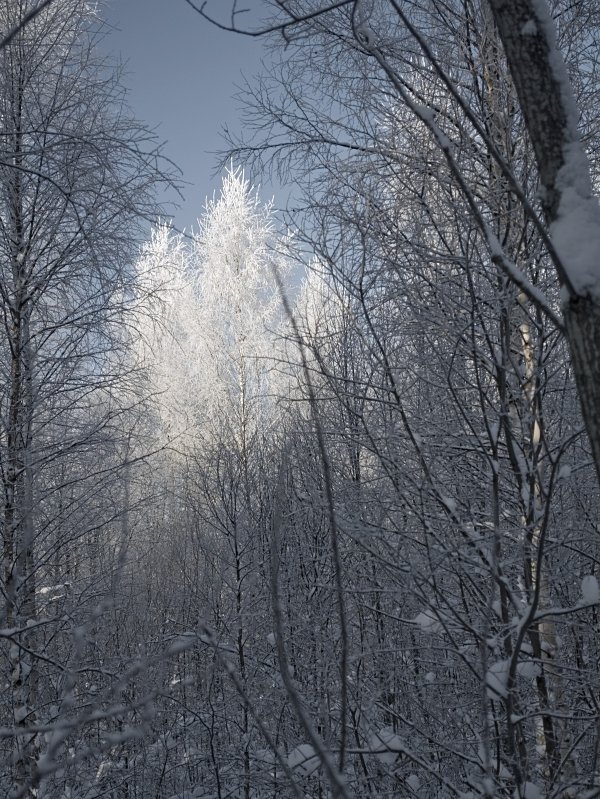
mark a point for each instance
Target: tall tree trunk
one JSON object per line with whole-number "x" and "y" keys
{"x": 18, "y": 525}
{"x": 548, "y": 106}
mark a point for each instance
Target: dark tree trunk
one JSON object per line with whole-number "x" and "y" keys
{"x": 547, "y": 105}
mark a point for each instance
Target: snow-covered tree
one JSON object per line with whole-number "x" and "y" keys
{"x": 236, "y": 252}
{"x": 169, "y": 336}
{"x": 532, "y": 34}
{"x": 210, "y": 348}
{"x": 403, "y": 126}
{"x": 76, "y": 178}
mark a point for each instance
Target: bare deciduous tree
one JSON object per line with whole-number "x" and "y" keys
{"x": 76, "y": 181}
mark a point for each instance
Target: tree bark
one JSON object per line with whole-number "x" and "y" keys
{"x": 582, "y": 325}
{"x": 548, "y": 108}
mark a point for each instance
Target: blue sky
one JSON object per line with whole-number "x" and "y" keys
{"x": 181, "y": 74}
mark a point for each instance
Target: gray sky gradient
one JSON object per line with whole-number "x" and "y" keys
{"x": 181, "y": 74}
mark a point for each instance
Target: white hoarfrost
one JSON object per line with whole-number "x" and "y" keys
{"x": 238, "y": 253}
{"x": 209, "y": 338}
{"x": 170, "y": 335}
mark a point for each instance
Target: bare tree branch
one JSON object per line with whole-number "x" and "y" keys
{"x": 282, "y": 27}
{"x": 31, "y": 15}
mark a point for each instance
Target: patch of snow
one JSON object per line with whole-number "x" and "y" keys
{"x": 265, "y": 756}
{"x": 428, "y": 622}
{"x": 304, "y": 760}
{"x": 528, "y": 669}
{"x": 271, "y": 639}
{"x": 528, "y": 790}
{"x": 387, "y": 746}
{"x": 529, "y": 28}
{"x": 495, "y": 425}
{"x": 590, "y": 590}
{"x": 450, "y": 504}
{"x": 366, "y": 35}
{"x": 496, "y": 679}
{"x": 576, "y": 231}
{"x": 564, "y": 472}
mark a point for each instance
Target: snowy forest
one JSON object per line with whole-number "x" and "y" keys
{"x": 305, "y": 502}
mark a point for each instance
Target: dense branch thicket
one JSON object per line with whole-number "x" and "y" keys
{"x": 335, "y": 537}
{"x": 77, "y": 176}
{"x": 435, "y": 491}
